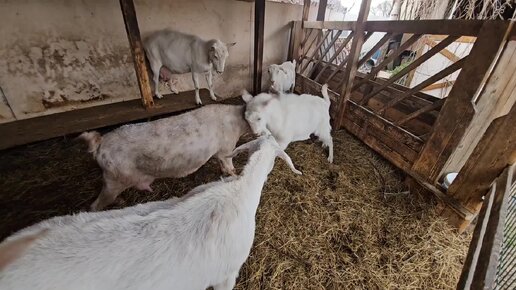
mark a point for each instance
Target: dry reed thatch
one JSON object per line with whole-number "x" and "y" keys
{"x": 331, "y": 228}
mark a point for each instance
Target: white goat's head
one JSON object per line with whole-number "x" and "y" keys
{"x": 257, "y": 111}
{"x": 266, "y": 143}
{"x": 218, "y": 53}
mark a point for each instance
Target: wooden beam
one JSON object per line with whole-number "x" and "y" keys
{"x": 438, "y": 86}
{"x": 306, "y": 10}
{"x": 462, "y": 39}
{"x": 445, "y": 52}
{"x": 45, "y": 127}
{"x": 295, "y": 40}
{"x": 490, "y": 157}
{"x": 321, "y": 10}
{"x": 137, "y": 51}
{"x": 442, "y": 27}
{"x": 351, "y": 68}
{"x": 335, "y": 25}
{"x": 259, "y": 24}
{"x": 458, "y": 109}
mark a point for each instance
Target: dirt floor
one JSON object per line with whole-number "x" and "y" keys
{"x": 331, "y": 228}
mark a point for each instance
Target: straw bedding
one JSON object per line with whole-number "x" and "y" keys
{"x": 331, "y": 228}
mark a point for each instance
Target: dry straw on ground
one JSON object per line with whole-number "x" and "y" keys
{"x": 331, "y": 228}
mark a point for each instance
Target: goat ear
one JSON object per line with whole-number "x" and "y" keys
{"x": 242, "y": 148}
{"x": 230, "y": 44}
{"x": 294, "y": 62}
{"x": 246, "y": 96}
{"x": 281, "y": 154}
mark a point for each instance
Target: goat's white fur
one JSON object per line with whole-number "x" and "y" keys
{"x": 182, "y": 53}
{"x": 193, "y": 242}
{"x": 136, "y": 154}
{"x": 283, "y": 76}
{"x": 290, "y": 117}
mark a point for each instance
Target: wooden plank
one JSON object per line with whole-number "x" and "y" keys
{"x": 259, "y": 23}
{"x": 489, "y": 158}
{"x": 137, "y": 51}
{"x": 325, "y": 52}
{"x": 470, "y": 264}
{"x": 445, "y": 52}
{"x": 295, "y": 40}
{"x": 411, "y": 66}
{"x": 391, "y": 155}
{"x": 351, "y": 68}
{"x": 438, "y": 86}
{"x": 75, "y": 121}
{"x": 485, "y": 271}
{"x": 304, "y": 52}
{"x": 306, "y": 10}
{"x": 458, "y": 110}
{"x": 345, "y": 60}
{"x": 388, "y": 59}
{"x": 462, "y": 39}
{"x": 375, "y": 48}
{"x": 330, "y": 62}
{"x": 441, "y": 74}
{"x": 334, "y": 25}
{"x": 447, "y": 27}
{"x": 423, "y": 110}
{"x": 321, "y": 10}
{"x": 310, "y": 58}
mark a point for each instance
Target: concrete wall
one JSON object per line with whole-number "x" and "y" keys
{"x": 58, "y": 55}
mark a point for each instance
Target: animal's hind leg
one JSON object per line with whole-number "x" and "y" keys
{"x": 228, "y": 284}
{"x": 327, "y": 141}
{"x": 226, "y": 163}
{"x": 156, "y": 67}
{"x": 110, "y": 190}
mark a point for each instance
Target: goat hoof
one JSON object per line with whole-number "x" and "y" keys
{"x": 159, "y": 96}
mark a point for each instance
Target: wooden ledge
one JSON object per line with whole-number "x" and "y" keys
{"x": 45, "y": 127}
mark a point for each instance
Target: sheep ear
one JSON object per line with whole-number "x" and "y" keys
{"x": 230, "y": 44}
{"x": 246, "y": 96}
{"x": 281, "y": 154}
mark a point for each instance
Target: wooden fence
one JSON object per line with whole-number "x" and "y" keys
{"x": 417, "y": 132}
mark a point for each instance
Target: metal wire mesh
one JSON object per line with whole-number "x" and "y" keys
{"x": 506, "y": 272}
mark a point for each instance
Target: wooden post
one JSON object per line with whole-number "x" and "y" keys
{"x": 306, "y": 9}
{"x": 458, "y": 109}
{"x": 351, "y": 67}
{"x": 295, "y": 40}
{"x": 321, "y": 10}
{"x": 489, "y": 158}
{"x": 135, "y": 42}
{"x": 259, "y": 23}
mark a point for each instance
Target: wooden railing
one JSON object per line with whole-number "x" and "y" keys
{"x": 414, "y": 130}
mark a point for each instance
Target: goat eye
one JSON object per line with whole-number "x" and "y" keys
{"x": 259, "y": 119}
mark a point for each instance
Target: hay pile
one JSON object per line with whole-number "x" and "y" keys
{"x": 331, "y": 228}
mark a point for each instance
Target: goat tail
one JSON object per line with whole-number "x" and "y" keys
{"x": 324, "y": 91}
{"x": 93, "y": 139}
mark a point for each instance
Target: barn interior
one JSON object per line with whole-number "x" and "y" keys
{"x": 414, "y": 98}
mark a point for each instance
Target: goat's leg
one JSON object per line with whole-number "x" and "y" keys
{"x": 195, "y": 78}
{"x": 107, "y": 196}
{"x": 209, "y": 80}
{"x": 327, "y": 141}
{"x": 226, "y": 163}
{"x": 228, "y": 284}
{"x": 155, "y": 67}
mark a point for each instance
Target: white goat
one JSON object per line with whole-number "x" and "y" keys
{"x": 136, "y": 154}
{"x": 193, "y": 242}
{"x": 183, "y": 53}
{"x": 283, "y": 76}
{"x": 290, "y": 117}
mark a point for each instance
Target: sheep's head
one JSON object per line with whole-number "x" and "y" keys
{"x": 257, "y": 112}
{"x": 266, "y": 143}
{"x": 218, "y": 53}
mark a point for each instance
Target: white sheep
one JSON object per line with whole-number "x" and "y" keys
{"x": 290, "y": 117}
{"x": 136, "y": 154}
{"x": 283, "y": 76}
{"x": 193, "y": 242}
{"x": 182, "y": 53}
